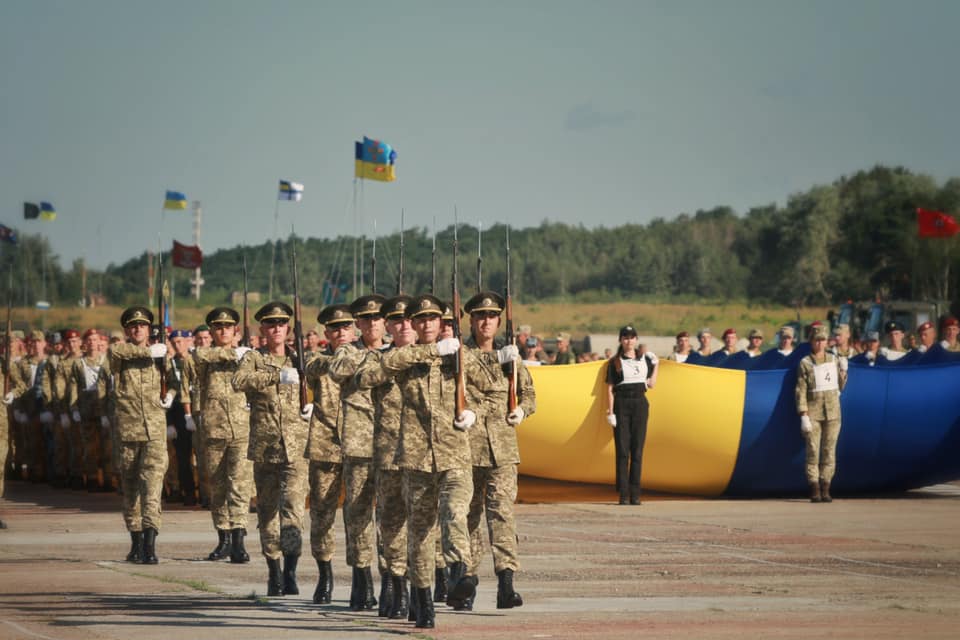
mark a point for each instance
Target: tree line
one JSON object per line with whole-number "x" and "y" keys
{"x": 855, "y": 238}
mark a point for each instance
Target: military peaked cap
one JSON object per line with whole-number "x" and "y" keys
{"x": 485, "y": 301}
{"x": 136, "y": 315}
{"x": 425, "y": 305}
{"x": 275, "y": 310}
{"x": 368, "y": 305}
{"x": 333, "y": 315}
{"x": 396, "y": 306}
{"x": 818, "y": 333}
{"x": 222, "y": 315}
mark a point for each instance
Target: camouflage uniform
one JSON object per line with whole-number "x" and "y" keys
{"x": 324, "y": 453}
{"x": 33, "y": 374}
{"x": 493, "y": 444}
{"x": 6, "y": 433}
{"x": 83, "y": 396}
{"x": 225, "y": 436}
{"x": 68, "y": 440}
{"x": 823, "y": 407}
{"x": 358, "y": 471}
{"x": 434, "y": 455}
{"x": 141, "y": 429}
{"x": 278, "y": 437}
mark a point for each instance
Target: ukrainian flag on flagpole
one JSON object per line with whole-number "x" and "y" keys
{"x": 290, "y": 191}
{"x": 47, "y": 212}
{"x": 175, "y": 200}
{"x": 374, "y": 160}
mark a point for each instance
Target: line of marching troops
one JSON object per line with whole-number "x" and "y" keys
{"x": 380, "y": 429}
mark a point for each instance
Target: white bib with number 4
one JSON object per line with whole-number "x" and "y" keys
{"x": 825, "y": 377}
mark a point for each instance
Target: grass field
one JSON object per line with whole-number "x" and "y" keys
{"x": 546, "y": 318}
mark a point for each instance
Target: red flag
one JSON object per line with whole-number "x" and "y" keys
{"x": 934, "y": 224}
{"x": 186, "y": 256}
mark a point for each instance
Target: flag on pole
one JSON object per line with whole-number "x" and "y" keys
{"x": 290, "y": 191}
{"x": 374, "y": 160}
{"x": 7, "y": 234}
{"x": 186, "y": 256}
{"x": 47, "y": 212}
{"x": 935, "y": 224}
{"x": 30, "y": 211}
{"x": 175, "y": 200}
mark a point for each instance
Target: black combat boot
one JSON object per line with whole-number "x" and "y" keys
{"x": 401, "y": 602}
{"x": 321, "y": 594}
{"x": 274, "y": 577}
{"x": 386, "y": 595}
{"x": 460, "y": 586}
{"x": 238, "y": 554}
{"x": 507, "y": 598}
{"x": 290, "y": 587}
{"x": 149, "y": 546}
{"x": 136, "y": 547}
{"x": 468, "y": 601}
{"x": 815, "y": 492}
{"x": 825, "y": 491}
{"x": 223, "y": 546}
{"x": 440, "y": 577}
{"x": 369, "y": 602}
{"x": 425, "y": 615}
{"x": 414, "y": 603}
{"x": 356, "y": 590}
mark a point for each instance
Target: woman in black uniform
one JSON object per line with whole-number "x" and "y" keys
{"x": 629, "y": 374}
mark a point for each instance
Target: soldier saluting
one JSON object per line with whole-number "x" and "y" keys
{"x": 278, "y": 438}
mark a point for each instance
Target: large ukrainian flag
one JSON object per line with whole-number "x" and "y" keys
{"x": 175, "y": 200}
{"x": 374, "y": 160}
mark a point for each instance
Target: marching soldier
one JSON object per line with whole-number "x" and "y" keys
{"x": 493, "y": 442}
{"x": 278, "y": 438}
{"x": 434, "y": 453}
{"x": 33, "y": 372}
{"x": 141, "y": 430}
{"x": 358, "y": 472}
{"x": 821, "y": 376}
{"x": 324, "y": 445}
{"x": 225, "y": 434}
{"x": 391, "y": 514}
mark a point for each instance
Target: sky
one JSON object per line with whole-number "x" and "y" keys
{"x": 596, "y": 113}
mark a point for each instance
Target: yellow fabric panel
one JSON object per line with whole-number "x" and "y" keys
{"x": 693, "y": 434}
{"x": 371, "y": 171}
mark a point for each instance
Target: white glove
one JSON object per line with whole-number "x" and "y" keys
{"x": 158, "y": 350}
{"x": 944, "y": 344}
{"x": 871, "y": 356}
{"x": 509, "y": 353}
{"x": 167, "y": 401}
{"x": 306, "y": 412}
{"x": 805, "y": 425}
{"x": 515, "y": 417}
{"x": 104, "y": 422}
{"x": 191, "y": 425}
{"x": 448, "y": 346}
{"x": 842, "y": 364}
{"x": 241, "y": 351}
{"x": 20, "y": 417}
{"x": 289, "y": 375}
{"x": 466, "y": 419}
{"x": 171, "y": 432}
{"x": 8, "y": 399}
{"x": 76, "y": 415}
{"x": 64, "y": 421}
{"x": 922, "y": 348}
{"x": 612, "y": 419}
{"x": 46, "y": 417}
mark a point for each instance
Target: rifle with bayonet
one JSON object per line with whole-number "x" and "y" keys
{"x": 433, "y": 260}
{"x": 479, "y": 257}
{"x": 400, "y": 268}
{"x": 160, "y": 335}
{"x": 373, "y": 261}
{"x": 8, "y": 355}
{"x": 298, "y": 356}
{"x": 460, "y": 398}
{"x": 511, "y": 336}
{"x": 246, "y": 310}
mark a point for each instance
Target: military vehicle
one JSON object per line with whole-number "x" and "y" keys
{"x": 873, "y": 316}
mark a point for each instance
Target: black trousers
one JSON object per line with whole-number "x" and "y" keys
{"x": 629, "y": 436}
{"x": 176, "y": 415}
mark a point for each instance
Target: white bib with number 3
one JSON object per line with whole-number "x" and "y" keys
{"x": 825, "y": 377}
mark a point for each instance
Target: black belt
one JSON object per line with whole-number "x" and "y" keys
{"x": 630, "y": 390}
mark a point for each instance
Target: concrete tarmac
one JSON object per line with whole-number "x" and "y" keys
{"x": 881, "y": 567}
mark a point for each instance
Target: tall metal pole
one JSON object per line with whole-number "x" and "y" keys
{"x": 197, "y": 281}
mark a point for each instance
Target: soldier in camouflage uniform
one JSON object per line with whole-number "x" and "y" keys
{"x": 83, "y": 400}
{"x": 278, "y": 439}
{"x": 180, "y": 414}
{"x": 68, "y": 437}
{"x": 358, "y": 472}
{"x": 434, "y": 453}
{"x": 493, "y": 442}
{"x": 821, "y": 376}
{"x": 225, "y": 432}
{"x": 14, "y": 390}
{"x": 324, "y": 448}
{"x": 141, "y": 430}
{"x": 32, "y": 412}
{"x": 391, "y": 514}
